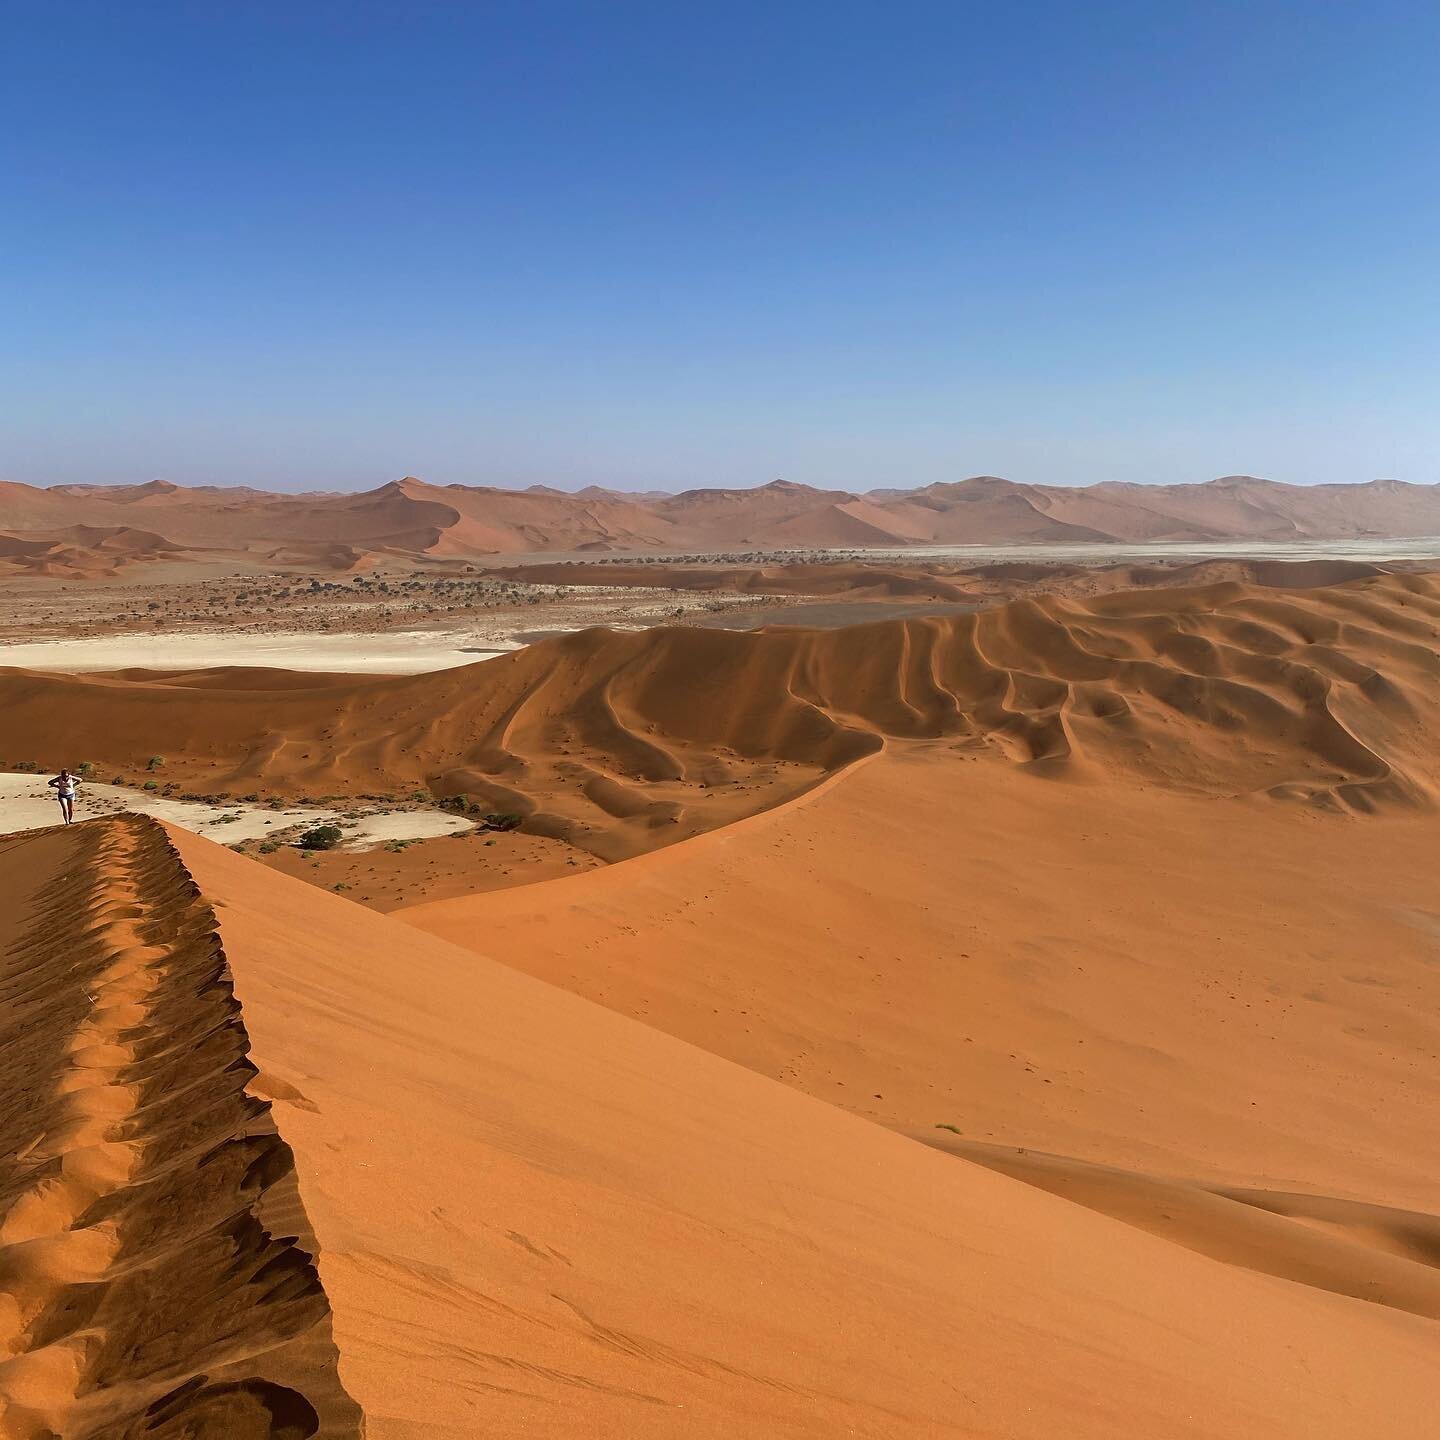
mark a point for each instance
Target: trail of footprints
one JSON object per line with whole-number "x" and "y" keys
{"x": 152, "y": 1279}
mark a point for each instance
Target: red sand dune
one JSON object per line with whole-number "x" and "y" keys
{"x": 412, "y": 516}
{"x": 1228, "y": 991}
{"x": 82, "y": 552}
{"x": 515, "y": 1213}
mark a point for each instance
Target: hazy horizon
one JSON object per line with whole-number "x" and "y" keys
{"x": 364, "y": 486}
{"x": 650, "y": 247}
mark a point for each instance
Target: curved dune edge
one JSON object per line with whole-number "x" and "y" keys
{"x": 1370, "y": 1252}
{"x": 622, "y": 743}
{"x": 156, "y": 1260}
{"x": 1170, "y": 985}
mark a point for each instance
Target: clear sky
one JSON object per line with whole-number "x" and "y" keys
{"x": 302, "y": 244}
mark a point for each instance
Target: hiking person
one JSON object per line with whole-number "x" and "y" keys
{"x": 64, "y": 787}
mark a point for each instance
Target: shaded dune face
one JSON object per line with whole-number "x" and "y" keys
{"x": 623, "y": 742}
{"x": 156, "y": 1259}
{"x": 1370, "y": 1252}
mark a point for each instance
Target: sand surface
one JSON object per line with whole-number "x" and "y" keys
{"x": 748, "y": 1261}
{"x": 1230, "y": 990}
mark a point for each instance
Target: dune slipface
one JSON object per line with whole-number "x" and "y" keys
{"x": 621, "y": 743}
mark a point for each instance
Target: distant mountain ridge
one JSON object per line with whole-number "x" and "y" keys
{"x": 413, "y": 516}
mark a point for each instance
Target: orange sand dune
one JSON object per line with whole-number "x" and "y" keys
{"x": 81, "y": 552}
{"x": 527, "y": 1215}
{"x": 1372, "y": 1252}
{"x": 1227, "y": 990}
{"x": 620, "y": 743}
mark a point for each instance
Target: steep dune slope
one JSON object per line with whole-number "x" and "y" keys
{"x": 1229, "y": 991}
{"x": 531, "y": 1214}
{"x": 623, "y": 742}
{"x": 155, "y": 1260}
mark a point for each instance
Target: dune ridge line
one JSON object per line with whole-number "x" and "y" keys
{"x": 158, "y": 1262}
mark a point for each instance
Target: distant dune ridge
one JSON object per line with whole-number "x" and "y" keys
{"x": 82, "y": 552}
{"x": 410, "y": 516}
{"x": 619, "y": 742}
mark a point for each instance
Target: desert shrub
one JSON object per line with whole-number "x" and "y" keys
{"x": 117, "y": 779}
{"x": 268, "y": 847}
{"x": 151, "y": 785}
{"x": 503, "y": 822}
{"x": 156, "y": 761}
{"x": 322, "y": 837}
{"x": 250, "y": 798}
{"x": 84, "y": 768}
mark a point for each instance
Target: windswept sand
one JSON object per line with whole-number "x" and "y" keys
{"x": 601, "y": 1231}
{"x": 1229, "y": 990}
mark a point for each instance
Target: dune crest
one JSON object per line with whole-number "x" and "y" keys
{"x": 157, "y": 1263}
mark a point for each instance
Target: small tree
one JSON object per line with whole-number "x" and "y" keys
{"x": 322, "y": 837}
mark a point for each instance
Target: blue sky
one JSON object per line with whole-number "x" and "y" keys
{"x": 310, "y": 245}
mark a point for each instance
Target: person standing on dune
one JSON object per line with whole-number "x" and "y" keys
{"x": 64, "y": 786}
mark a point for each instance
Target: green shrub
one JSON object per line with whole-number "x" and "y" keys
{"x": 84, "y": 768}
{"x": 503, "y": 822}
{"x": 268, "y": 847}
{"x": 322, "y": 837}
{"x": 156, "y": 761}
{"x": 151, "y": 785}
